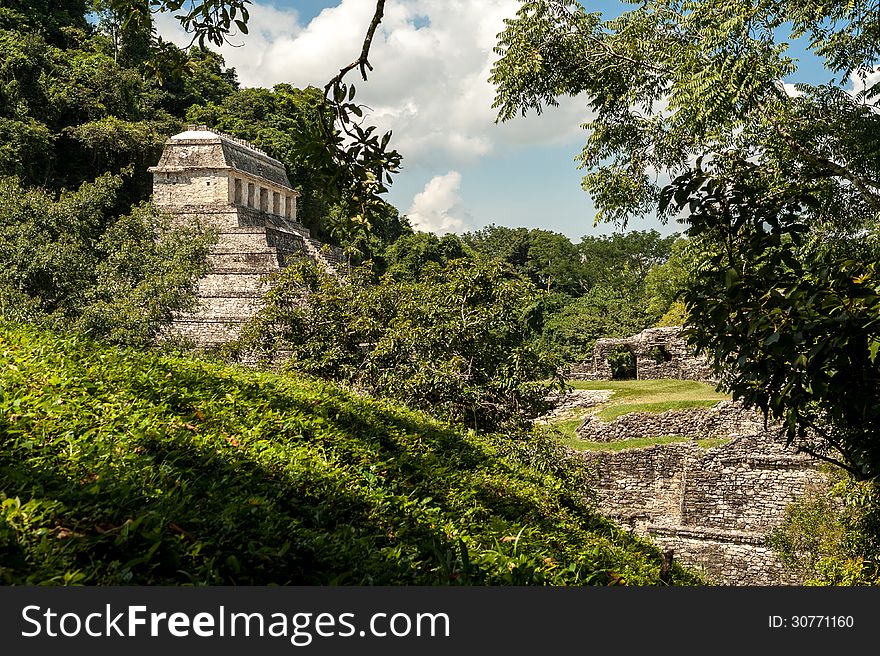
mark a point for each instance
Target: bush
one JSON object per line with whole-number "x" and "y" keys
{"x": 832, "y": 535}
{"x": 74, "y": 262}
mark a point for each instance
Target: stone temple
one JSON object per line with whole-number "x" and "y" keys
{"x": 228, "y": 184}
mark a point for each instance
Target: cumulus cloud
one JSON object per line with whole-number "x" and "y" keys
{"x": 439, "y": 208}
{"x": 432, "y": 60}
{"x": 247, "y": 53}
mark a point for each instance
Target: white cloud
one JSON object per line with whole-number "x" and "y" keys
{"x": 438, "y": 208}
{"x": 860, "y": 84}
{"x": 431, "y": 62}
{"x": 791, "y": 90}
{"x": 248, "y": 53}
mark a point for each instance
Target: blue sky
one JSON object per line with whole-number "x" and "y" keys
{"x": 461, "y": 170}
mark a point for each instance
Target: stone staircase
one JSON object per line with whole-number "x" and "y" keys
{"x": 241, "y": 263}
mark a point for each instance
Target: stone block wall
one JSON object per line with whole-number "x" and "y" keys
{"x": 713, "y": 507}
{"x": 642, "y": 485}
{"x": 746, "y": 487}
{"x": 724, "y": 557}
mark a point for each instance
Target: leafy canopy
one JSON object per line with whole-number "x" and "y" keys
{"x": 671, "y": 80}
{"x": 74, "y": 262}
{"x": 779, "y": 184}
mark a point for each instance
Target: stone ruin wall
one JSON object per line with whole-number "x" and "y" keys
{"x": 678, "y": 360}
{"x": 712, "y": 507}
{"x": 722, "y": 420}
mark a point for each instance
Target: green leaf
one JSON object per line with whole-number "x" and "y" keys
{"x": 873, "y": 348}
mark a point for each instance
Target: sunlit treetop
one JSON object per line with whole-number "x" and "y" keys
{"x": 667, "y": 81}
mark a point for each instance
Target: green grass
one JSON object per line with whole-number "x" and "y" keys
{"x": 613, "y": 411}
{"x": 123, "y": 467}
{"x": 649, "y": 391}
{"x": 638, "y": 396}
{"x": 650, "y": 395}
{"x": 568, "y": 427}
{"x": 712, "y": 442}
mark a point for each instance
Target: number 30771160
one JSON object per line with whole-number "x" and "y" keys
{"x": 811, "y": 622}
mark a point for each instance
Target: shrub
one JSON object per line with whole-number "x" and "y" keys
{"x": 832, "y": 535}
{"x": 75, "y": 262}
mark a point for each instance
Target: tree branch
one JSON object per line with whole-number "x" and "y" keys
{"x": 362, "y": 61}
{"x": 863, "y": 184}
{"x": 812, "y": 452}
{"x": 847, "y": 464}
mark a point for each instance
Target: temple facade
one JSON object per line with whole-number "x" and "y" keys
{"x": 226, "y": 183}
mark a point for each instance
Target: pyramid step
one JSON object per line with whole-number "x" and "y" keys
{"x": 226, "y": 308}
{"x": 268, "y": 262}
{"x": 206, "y": 332}
{"x": 235, "y": 283}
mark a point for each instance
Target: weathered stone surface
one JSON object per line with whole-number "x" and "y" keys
{"x": 713, "y": 507}
{"x": 659, "y": 353}
{"x": 724, "y": 557}
{"x": 225, "y": 183}
{"x": 570, "y": 404}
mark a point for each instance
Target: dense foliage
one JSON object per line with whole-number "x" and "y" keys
{"x": 457, "y": 343}
{"x": 791, "y": 350}
{"x": 830, "y": 536}
{"x": 604, "y": 286}
{"x": 548, "y": 259}
{"x": 75, "y": 262}
{"x": 119, "y": 467}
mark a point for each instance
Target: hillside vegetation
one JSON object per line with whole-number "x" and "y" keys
{"x": 124, "y": 467}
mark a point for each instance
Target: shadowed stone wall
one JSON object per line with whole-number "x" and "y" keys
{"x": 725, "y": 419}
{"x": 658, "y": 352}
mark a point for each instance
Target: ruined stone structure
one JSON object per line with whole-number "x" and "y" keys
{"x": 657, "y": 353}
{"x": 726, "y": 419}
{"x": 712, "y": 507}
{"x": 228, "y": 184}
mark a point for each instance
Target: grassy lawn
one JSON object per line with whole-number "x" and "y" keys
{"x": 653, "y": 391}
{"x": 568, "y": 427}
{"x": 616, "y": 410}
